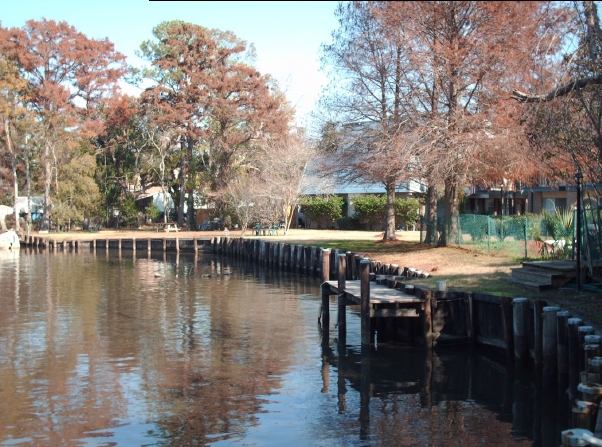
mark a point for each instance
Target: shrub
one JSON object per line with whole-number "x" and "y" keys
{"x": 323, "y": 210}
{"x": 349, "y": 224}
{"x": 152, "y": 212}
{"x": 370, "y": 209}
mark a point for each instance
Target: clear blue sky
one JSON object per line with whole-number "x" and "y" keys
{"x": 286, "y": 35}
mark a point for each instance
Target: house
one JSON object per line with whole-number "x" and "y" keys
{"x": 519, "y": 199}
{"x": 154, "y": 196}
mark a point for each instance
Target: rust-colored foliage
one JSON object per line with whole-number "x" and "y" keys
{"x": 204, "y": 89}
{"x": 69, "y": 77}
{"x": 421, "y": 88}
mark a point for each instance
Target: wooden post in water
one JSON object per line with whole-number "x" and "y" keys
{"x": 325, "y": 270}
{"x": 470, "y": 329}
{"x": 349, "y": 265}
{"x": 164, "y": 245}
{"x": 148, "y": 244}
{"x": 573, "y": 355}
{"x": 582, "y": 332}
{"x": 549, "y": 345}
{"x": 307, "y": 260}
{"x": 342, "y": 317}
{"x": 506, "y": 303}
{"x": 134, "y": 244}
{"x": 299, "y": 261}
{"x": 428, "y": 318}
{"x": 520, "y": 310}
{"x": 365, "y": 301}
{"x": 537, "y": 334}
{"x": 325, "y": 313}
{"x": 562, "y": 349}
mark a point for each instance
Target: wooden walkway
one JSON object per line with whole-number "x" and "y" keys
{"x": 384, "y": 301}
{"x": 99, "y": 241}
{"x": 375, "y": 301}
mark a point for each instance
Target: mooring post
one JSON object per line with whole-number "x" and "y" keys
{"x": 470, "y": 329}
{"x": 506, "y": 303}
{"x": 549, "y": 345}
{"x": 573, "y": 325}
{"x": 428, "y": 318}
{"x": 562, "y": 349}
{"x": 520, "y": 320}
{"x": 342, "y": 318}
{"x": 365, "y": 300}
{"x": 349, "y": 265}
{"x": 537, "y": 333}
{"x": 582, "y": 332}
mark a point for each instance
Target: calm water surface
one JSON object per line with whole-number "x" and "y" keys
{"x": 114, "y": 349}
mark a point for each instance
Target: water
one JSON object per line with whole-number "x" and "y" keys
{"x": 102, "y": 349}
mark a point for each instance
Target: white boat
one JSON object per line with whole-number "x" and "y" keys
{"x": 10, "y": 240}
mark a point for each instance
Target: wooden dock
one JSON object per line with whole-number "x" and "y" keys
{"x": 105, "y": 242}
{"x": 375, "y": 301}
{"x": 384, "y": 301}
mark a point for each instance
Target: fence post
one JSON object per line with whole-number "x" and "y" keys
{"x": 488, "y": 234}
{"x": 459, "y": 232}
{"x": 526, "y": 242}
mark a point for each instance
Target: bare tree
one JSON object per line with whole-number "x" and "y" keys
{"x": 284, "y": 174}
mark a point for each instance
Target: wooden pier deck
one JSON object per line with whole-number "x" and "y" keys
{"x": 384, "y": 301}
{"x": 376, "y": 301}
{"x": 159, "y": 242}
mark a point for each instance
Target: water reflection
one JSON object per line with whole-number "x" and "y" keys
{"x": 130, "y": 348}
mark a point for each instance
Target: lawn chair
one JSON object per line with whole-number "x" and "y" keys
{"x": 257, "y": 230}
{"x": 273, "y": 230}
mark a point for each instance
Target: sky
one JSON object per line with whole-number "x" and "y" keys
{"x": 287, "y": 34}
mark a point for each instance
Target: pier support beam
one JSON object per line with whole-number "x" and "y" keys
{"x": 520, "y": 320}
{"x": 549, "y": 339}
{"x": 342, "y": 317}
{"x": 365, "y": 300}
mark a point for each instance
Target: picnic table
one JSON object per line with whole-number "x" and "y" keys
{"x": 168, "y": 227}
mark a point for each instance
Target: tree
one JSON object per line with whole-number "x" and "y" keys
{"x": 283, "y": 168}
{"x": 563, "y": 110}
{"x": 78, "y": 194}
{"x": 376, "y": 136}
{"x": 69, "y": 77}
{"x": 446, "y": 66}
{"x": 463, "y": 57}
{"x": 218, "y": 104}
{"x": 12, "y": 91}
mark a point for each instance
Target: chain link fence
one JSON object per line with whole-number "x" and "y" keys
{"x": 517, "y": 236}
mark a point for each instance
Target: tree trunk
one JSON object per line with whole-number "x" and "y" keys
{"x": 390, "y": 227}
{"x": 430, "y": 216}
{"x": 191, "y": 175}
{"x": 13, "y": 160}
{"x": 450, "y": 207}
{"x": 182, "y": 200}
{"x": 47, "y": 185}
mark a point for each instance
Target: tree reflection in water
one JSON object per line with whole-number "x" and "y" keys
{"x": 123, "y": 348}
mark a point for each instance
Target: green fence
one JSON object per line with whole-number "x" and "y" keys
{"x": 518, "y": 236}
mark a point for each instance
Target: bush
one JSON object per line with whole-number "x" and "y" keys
{"x": 152, "y": 212}
{"x": 324, "y": 210}
{"x": 370, "y": 209}
{"x": 349, "y": 224}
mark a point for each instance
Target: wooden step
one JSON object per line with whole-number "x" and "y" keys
{"x": 535, "y": 275}
{"x": 531, "y": 284}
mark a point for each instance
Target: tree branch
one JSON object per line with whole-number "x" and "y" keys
{"x": 561, "y": 91}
